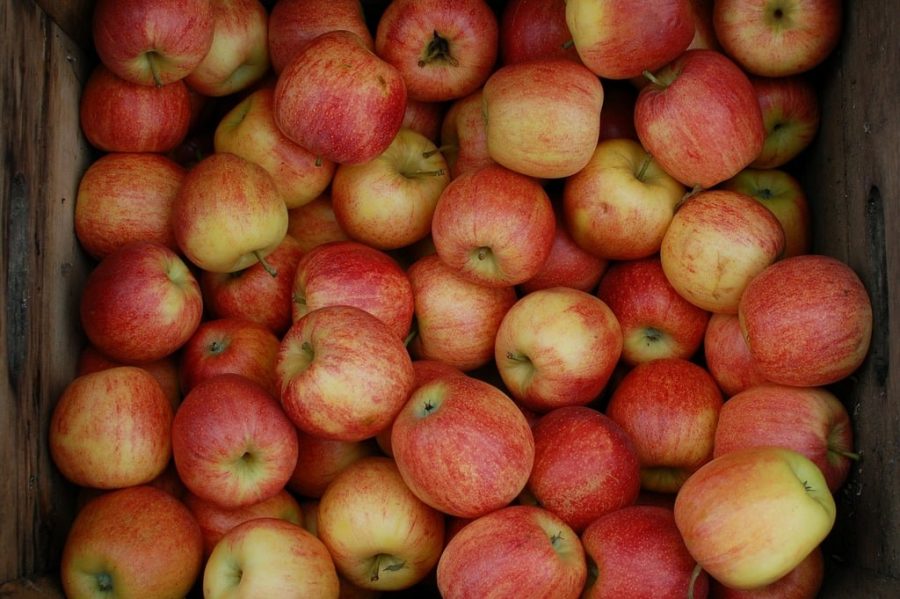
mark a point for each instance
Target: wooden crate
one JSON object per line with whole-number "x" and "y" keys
{"x": 852, "y": 175}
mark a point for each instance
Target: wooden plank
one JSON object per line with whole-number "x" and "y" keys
{"x": 73, "y": 17}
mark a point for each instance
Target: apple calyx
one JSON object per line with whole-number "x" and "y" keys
{"x": 387, "y": 563}
{"x": 437, "y": 50}
{"x": 266, "y": 266}
{"x": 695, "y": 574}
{"x": 152, "y": 57}
{"x": 217, "y": 347}
{"x": 104, "y": 582}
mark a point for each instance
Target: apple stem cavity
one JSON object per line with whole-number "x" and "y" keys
{"x": 695, "y": 574}
{"x": 392, "y": 565}
{"x": 438, "y": 50}
{"x": 266, "y": 266}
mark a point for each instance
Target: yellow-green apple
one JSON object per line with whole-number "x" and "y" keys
{"x": 152, "y": 42}
{"x": 567, "y": 265}
{"x": 462, "y": 446}
{"x": 803, "y": 582}
{"x": 807, "y": 321}
{"x": 669, "y": 408}
{"x": 234, "y": 345}
{"x": 120, "y": 116}
{"x": 494, "y": 226}
{"x": 319, "y": 462}
{"x": 294, "y": 23}
{"x": 751, "y": 516}
{"x": 314, "y": 223}
{"x": 619, "y": 40}
{"x": 585, "y": 465}
{"x": 342, "y": 373}
{"x": 456, "y": 319}
{"x": 617, "y": 114}
{"x": 557, "y": 347}
{"x": 424, "y": 118}
{"x": 782, "y": 194}
{"x": 232, "y": 443}
{"x": 380, "y": 535}
{"x": 125, "y": 197}
{"x": 270, "y": 557}
{"x": 349, "y": 273}
{"x": 215, "y": 521}
{"x": 111, "y": 429}
{"x": 360, "y": 104}
{"x": 137, "y": 542}
{"x": 228, "y": 214}
{"x": 164, "y": 370}
{"x": 777, "y": 39}
{"x": 252, "y": 293}
{"x": 463, "y": 136}
{"x": 388, "y": 202}
{"x": 700, "y": 119}
{"x": 533, "y": 30}
{"x": 809, "y": 420}
{"x": 239, "y": 54}
{"x": 790, "y": 109}
{"x": 445, "y": 49}
{"x": 637, "y": 552}
{"x": 727, "y": 355}
{"x": 717, "y": 242}
{"x": 656, "y": 322}
{"x": 514, "y": 550}
{"x": 542, "y": 117}
{"x": 619, "y": 206}
{"x": 140, "y": 303}
{"x": 249, "y": 131}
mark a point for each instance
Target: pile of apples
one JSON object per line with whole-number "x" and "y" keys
{"x": 486, "y": 300}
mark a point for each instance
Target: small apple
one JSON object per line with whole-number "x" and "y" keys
{"x": 424, "y": 118}
{"x": 320, "y": 461}
{"x": 533, "y": 30}
{"x": 164, "y": 370}
{"x": 790, "y": 109}
{"x": 727, "y": 355}
{"x": 567, "y": 265}
{"x": 314, "y": 223}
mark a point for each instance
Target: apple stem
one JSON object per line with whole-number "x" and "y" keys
{"x": 516, "y": 357}
{"x": 568, "y": 44}
{"x": 392, "y": 566}
{"x": 694, "y": 191}
{"x": 644, "y": 166}
{"x": 438, "y": 50}
{"x": 441, "y": 149}
{"x": 652, "y": 78}
{"x": 266, "y": 266}
{"x": 695, "y": 574}
{"x": 852, "y": 455}
{"x": 421, "y": 173}
{"x": 154, "y": 69}
{"x": 412, "y": 335}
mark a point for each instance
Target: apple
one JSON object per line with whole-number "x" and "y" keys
{"x": 617, "y": 114}
{"x": 228, "y": 214}
{"x": 777, "y": 39}
{"x": 493, "y": 226}
{"x": 656, "y": 321}
{"x": 120, "y": 116}
{"x": 803, "y": 582}
{"x": 567, "y": 265}
{"x": 320, "y": 461}
{"x": 727, "y": 355}
{"x": 704, "y": 31}
{"x": 314, "y": 223}
{"x": 270, "y": 557}
{"x": 619, "y": 206}
{"x": 557, "y": 347}
{"x": 137, "y": 542}
{"x": 111, "y": 429}
{"x": 717, "y": 242}
{"x": 809, "y": 420}
{"x": 140, "y": 303}
{"x": 462, "y": 446}
{"x": 636, "y": 552}
{"x": 464, "y": 137}
{"x": 164, "y": 370}
{"x": 542, "y": 117}
{"x": 232, "y": 443}
{"x": 751, "y": 516}
{"x": 790, "y": 109}
{"x": 669, "y": 408}
{"x": 510, "y": 550}
{"x": 807, "y": 321}
{"x": 350, "y": 273}
{"x": 388, "y": 202}
{"x": 424, "y": 118}
{"x": 380, "y": 535}
{"x": 360, "y": 105}
{"x": 342, "y": 373}
{"x": 249, "y": 131}
{"x": 585, "y": 466}
{"x": 700, "y": 86}
{"x": 456, "y": 319}
{"x": 535, "y": 30}
{"x": 152, "y": 42}
{"x": 619, "y": 40}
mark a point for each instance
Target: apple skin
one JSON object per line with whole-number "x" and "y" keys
{"x": 534, "y": 30}
{"x": 320, "y": 461}
{"x": 778, "y": 39}
{"x": 380, "y": 535}
{"x": 270, "y": 557}
{"x": 514, "y": 548}
{"x": 315, "y": 223}
{"x": 728, "y": 357}
{"x": 343, "y": 374}
{"x": 120, "y": 116}
{"x": 462, "y": 446}
{"x": 444, "y": 49}
{"x": 232, "y": 443}
{"x": 700, "y": 86}
{"x": 656, "y": 321}
{"x": 424, "y": 118}
{"x": 717, "y": 242}
{"x": 585, "y": 465}
{"x": 493, "y": 226}
{"x": 567, "y": 265}
{"x": 464, "y": 136}
{"x": 152, "y": 42}
{"x": 803, "y": 582}
{"x": 164, "y": 370}
{"x": 138, "y": 542}
{"x": 111, "y": 429}
{"x": 542, "y": 118}
{"x": 807, "y": 321}
{"x": 365, "y": 100}
{"x": 637, "y": 552}
{"x": 790, "y": 109}
{"x": 140, "y": 303}
{"x": 751, "y": 516}
{"x": 669, "y": 409}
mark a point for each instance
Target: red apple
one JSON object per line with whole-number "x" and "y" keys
{"x": 803, "y": 582}
{"x": 534, "y": 30}
{"x": 315, "y": 223}
{"x": 164, "y": 370}
{"x": 567, "y": 265}
{"x": 464, "y": 137}
{"x": 727, "y": 355}
{"x": 424, "y": 118}
{"x": 320, "y": 461}
{"x": 704, "y": 31}
{"x": 790, "y": 109}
